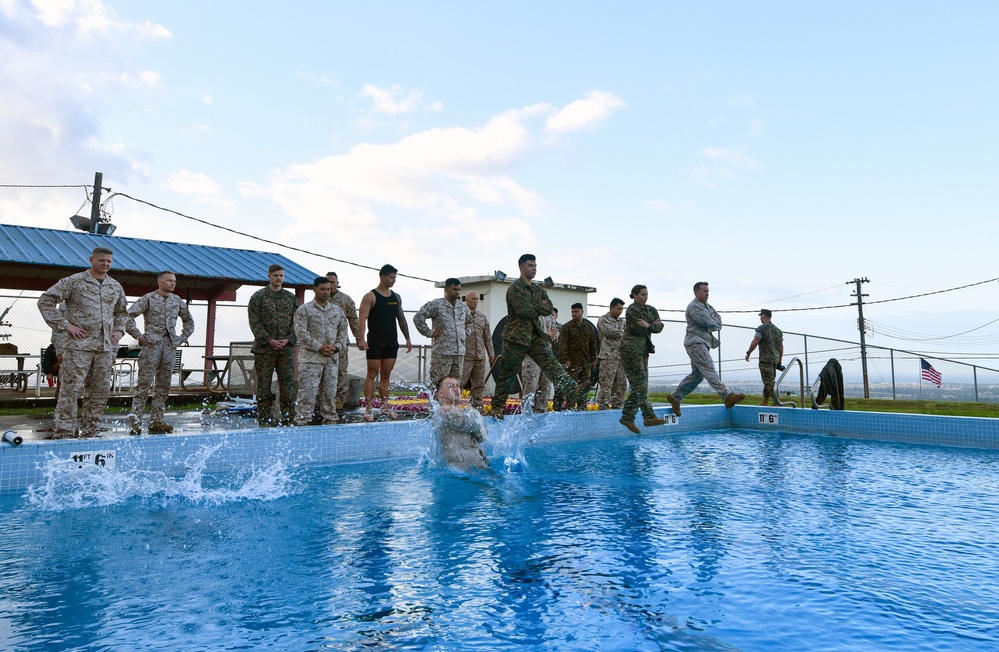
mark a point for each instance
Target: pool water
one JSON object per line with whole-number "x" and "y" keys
{"x": 714, "y": 541}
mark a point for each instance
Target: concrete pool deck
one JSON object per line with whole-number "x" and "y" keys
{"x": 231, "y": 443}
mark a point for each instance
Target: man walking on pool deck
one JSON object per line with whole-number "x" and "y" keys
{"x": 272, "y": 321}
{"x": 160, "y": 311}
{"x": 702, "y": 324}
{"x": 381, "y": 310}
{"x": 771, "y": 342}
{"x": 451, "y": 323}
{"x": 523, "y": 336}
{"x": 94, "y": 322}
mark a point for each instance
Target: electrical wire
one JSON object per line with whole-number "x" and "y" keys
{"x": 25, "y": 185}
{"x": 258, "y": 238}
{"x": 803, "y": 294}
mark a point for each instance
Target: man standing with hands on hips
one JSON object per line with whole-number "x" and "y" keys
{"x": 93, "y": 323}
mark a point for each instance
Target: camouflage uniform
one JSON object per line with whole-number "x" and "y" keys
{"x": 478, "y": 351}
{"x": 100, "y": 308}
{"x": 346, "y": 304}
{"x": 577, "y": 349}
{"x": 613, "y": 384}
{"x": 316, "y": 326}
{"x": 771, "y": 339}
{"x": 522, "y": 337}
{"x": 447, "y": 352}
{"x": 702, "y": 324}
{"x": 156, "y": 359}
{"x": 272, "y": 316}
{"x": 532, "y": 381}
{"x": 636, "y": 345}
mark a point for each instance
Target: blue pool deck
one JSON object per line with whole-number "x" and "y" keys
{"x": 24, "y": 466}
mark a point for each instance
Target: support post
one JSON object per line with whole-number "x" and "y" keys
{"x": 892, "y": 351}
{"x": 95, "y": 205}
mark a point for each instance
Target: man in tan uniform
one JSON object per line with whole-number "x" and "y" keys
{"x": 478, "y": 351}
{"x": 160, "y": 311}
{"x": 94, "y": 322}
{"x": 346, "y": 304}
{"x": 321, "y": 329}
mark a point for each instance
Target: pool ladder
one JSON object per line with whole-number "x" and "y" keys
{"x": 801, "y": 381}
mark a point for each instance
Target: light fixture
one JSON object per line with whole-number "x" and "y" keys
{"x": 549, "y": 283}
{"x": 500, "y": 276}
{"x": 83, "y": 224}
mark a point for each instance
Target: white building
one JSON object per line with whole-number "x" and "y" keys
{"x": 492, "y": 295}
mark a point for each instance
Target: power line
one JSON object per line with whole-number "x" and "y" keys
{"x": 26, "y": 185}
{"x": 795, "y": 296}
{"x": 258, "y": 238}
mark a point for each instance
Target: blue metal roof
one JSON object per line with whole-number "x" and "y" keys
{"x": 36, "y": 252}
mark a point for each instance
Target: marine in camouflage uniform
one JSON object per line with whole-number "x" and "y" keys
{"x": 95, "y": 303}
{"x": 450, "y": 325}
{"x": 160, "y": 311}
{"x": 321, "y": 329}
{"x": 577, "y": 351}
{"x": 478, "y": 351}
{"x": 636, "y": 345}
{"x": 770, "y": 339}
{"x": 532, "y": 381}
{"x": 703, "y": 324}
{"x": 613, "y": 383}
{"x": 272, "y": 319}
{"x": 343, "y": 301}
{"x": 523, "y": 336}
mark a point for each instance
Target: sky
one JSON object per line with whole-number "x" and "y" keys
{"x": 777, "y": 150}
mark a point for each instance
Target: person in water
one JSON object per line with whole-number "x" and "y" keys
{"x": 462, "y": 431}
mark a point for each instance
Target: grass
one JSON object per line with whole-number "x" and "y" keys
{"x": 944, "y": 408}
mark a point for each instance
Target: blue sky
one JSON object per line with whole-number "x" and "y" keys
{"x": 773, "y": 149}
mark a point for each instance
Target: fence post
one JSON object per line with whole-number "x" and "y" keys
{"x": 892, "y": 351}
{"x": 719, "y": 359}
{"x": 808, "y": 379}
{"x": 974, "y": 370}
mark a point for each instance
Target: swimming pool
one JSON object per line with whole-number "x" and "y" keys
{"x": 716, "y": 540}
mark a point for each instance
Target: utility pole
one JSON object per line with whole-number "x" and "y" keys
{"x": 95, "y": 206}
{"x": 862, "y": 326}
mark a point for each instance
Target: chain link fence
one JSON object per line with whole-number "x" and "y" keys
{"x": 892, "y": 373}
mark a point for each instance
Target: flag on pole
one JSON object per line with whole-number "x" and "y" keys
{"x": 929, "y": 373}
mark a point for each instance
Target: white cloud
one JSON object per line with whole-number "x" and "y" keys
{"x": 729, "y": 157}
{"x": 62, "y": 61}
{"x": 755, "y": 128}
{"x": 396, "y": 100}
{"x": 199, "y": 187}
{"x": 587, "y": 113}
{"x": 426, "y": 193}
{"x": 206, "y": 98}
{"x": 658, "y": 205}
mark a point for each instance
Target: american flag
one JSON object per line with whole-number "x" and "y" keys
{"x": 929, "y": 373}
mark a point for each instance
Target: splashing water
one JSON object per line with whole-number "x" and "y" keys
{"x": 65, "y": 487}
